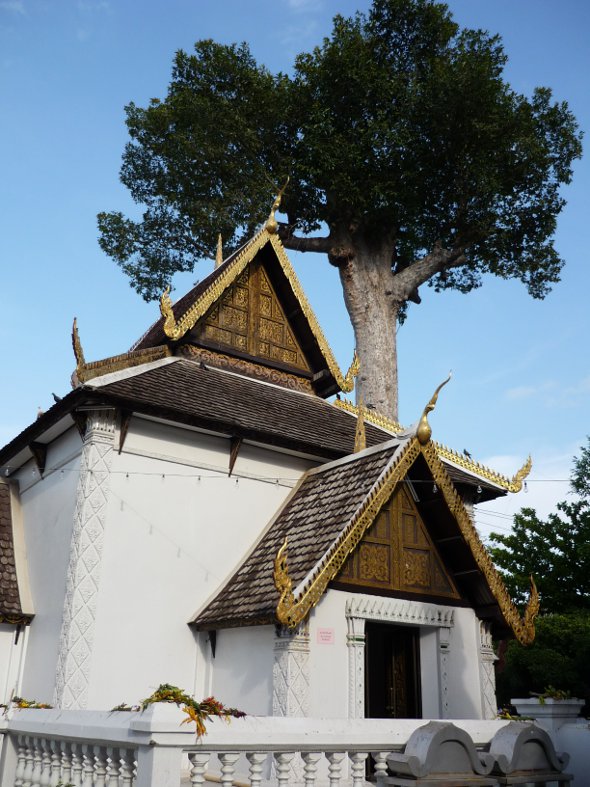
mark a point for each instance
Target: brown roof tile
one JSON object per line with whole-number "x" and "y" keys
{"x": 10, "y": 604}
{"x": 320, "y": 508}
{"x": 227, "y": 402}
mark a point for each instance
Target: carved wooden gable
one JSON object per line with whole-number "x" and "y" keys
{"x": 250, "y": 321}
{"x": 397, "y": 554}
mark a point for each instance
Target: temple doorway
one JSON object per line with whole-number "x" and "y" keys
{"x": 392, "y": 672}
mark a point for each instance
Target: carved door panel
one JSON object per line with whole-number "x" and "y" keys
{"x": 392, "y": 672}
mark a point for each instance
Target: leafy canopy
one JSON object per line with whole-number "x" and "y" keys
{"x": 398, "y": 128}
{"x": 556, "y": 551}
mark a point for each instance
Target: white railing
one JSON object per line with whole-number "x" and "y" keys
{"x": 45, "y": 748}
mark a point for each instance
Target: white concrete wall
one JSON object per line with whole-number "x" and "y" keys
{"x": 11, "y": 660}
{"x": 47, "y": 507}
{"x": 242, "y": 669}
{"x": 464, "y": 677}
{"x": 170, "y": 541}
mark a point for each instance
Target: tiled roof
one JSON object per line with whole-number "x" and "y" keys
{"x": 188, "y": 391}
{"x": 312, "y": 519}
{"x": 10, "y": 603}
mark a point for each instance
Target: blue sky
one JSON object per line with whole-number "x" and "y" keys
{"x": 67, "y": 68}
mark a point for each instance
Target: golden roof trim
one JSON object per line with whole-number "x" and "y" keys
{"x": 291, "y": 611}
{"x": 117, "y": 363}
{"x": 176, "y": 329}
{"x": 360, "y": 437}
{"x": 372, "y": 416}
{"x": 523, "y": 627}
{"x": 513, "y": 484}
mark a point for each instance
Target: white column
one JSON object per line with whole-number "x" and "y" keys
{"x": 487, "y": 673}
{"x": 290, "y": 675}
{"x": 444, "y": 646}
{"x": 83, "y": 578}
{"x": 355, "y": 640}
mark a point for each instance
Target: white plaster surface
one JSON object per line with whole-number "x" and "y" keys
{"x": 47, "y": 509}
{"x": 170, "y": 541}
{"x": 11, "y": 661}
{"x": 242, "y": 669}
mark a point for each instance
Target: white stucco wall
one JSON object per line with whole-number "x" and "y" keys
{"x": 170, "y": 541}
{"x": 47, "y": 507}
{"x": 242, "y": 669}
{"x": 11, "y": 660}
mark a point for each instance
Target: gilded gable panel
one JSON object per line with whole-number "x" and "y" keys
{"x": 249, "y": 318}
{"x": 397, "y": 554}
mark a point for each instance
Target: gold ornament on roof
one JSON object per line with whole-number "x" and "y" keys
{"x": 424, "y": 431}
{"x": 77, "y": 345}
{"x": 171, "y": 328}
{"x": 219, "y": 252}
{"x": 272, "y": 224}
{"x": 347, "y": 383}
{"x": 360, "y": 437}
{"x": 518, "y": 478}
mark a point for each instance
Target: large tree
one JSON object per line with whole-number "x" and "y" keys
{"x": 410, "y": 160}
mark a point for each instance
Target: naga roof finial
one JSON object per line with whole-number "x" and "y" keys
{"x": 77, "y": 345}
{"x": 424, "y": 432}
{"x": 219, "y": 252}
{"x": 360, "y": 437}
{"x": 272, "y": 224}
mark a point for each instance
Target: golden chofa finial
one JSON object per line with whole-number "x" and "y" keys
{"x": 219, "y": 252}
{"x": 360, "y": 437}
{"x": 272, "y": 224}
{"x": 77, "y": 345}
{"x": 424, "y": 432}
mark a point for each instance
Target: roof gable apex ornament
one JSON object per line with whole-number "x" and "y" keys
{"x": 424, "y": 430}
{"x": 272, "y": 224}
{"x": 219, "y": 251}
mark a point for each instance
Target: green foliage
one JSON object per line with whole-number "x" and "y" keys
{"x": 555, "y": 551}
{"x": 559, "y": 656}
{"x": 398, "y": 131}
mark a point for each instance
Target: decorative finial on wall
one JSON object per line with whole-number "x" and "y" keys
{"x": 272, "y": 224}
{"x": 424, "y": 432}
{"x": 219, "y": 253}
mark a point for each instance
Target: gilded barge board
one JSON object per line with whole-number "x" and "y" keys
{"x": 513, "y": 484}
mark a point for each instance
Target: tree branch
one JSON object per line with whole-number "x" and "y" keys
{"x": 290, "y": 241}
{"x": 420, "y": 271}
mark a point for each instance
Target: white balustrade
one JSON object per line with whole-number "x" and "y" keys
{"x": 154, "y": 749}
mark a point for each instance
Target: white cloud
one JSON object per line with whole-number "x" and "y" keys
{"x": 304, "y": 5}
{"x": 13, "y": 6}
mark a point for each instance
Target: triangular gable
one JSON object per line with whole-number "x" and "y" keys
{"x": 326, "y": 518}
{"x": 398, "y": 555}
{"x": 250, "y": 320}
{"x": 493, "y": 599}
{"x": 227, "y": 312}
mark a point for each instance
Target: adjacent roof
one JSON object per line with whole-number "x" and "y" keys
{"x": 189, "y": 392}
{"x": 323, "y": 521}
{"x": 11, "y": 606}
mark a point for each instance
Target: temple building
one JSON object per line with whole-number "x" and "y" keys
{"x": 198, "y": 511}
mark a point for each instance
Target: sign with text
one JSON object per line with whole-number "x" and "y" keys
{"x": 325, "y": 636}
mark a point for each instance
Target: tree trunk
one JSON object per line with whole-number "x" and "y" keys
{"x": 369, "y": 286}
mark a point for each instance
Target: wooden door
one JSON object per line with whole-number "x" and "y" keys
{"x": 392, "y": 672}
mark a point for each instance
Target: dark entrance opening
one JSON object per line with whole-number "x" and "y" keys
{"x": 392, "y": 672}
